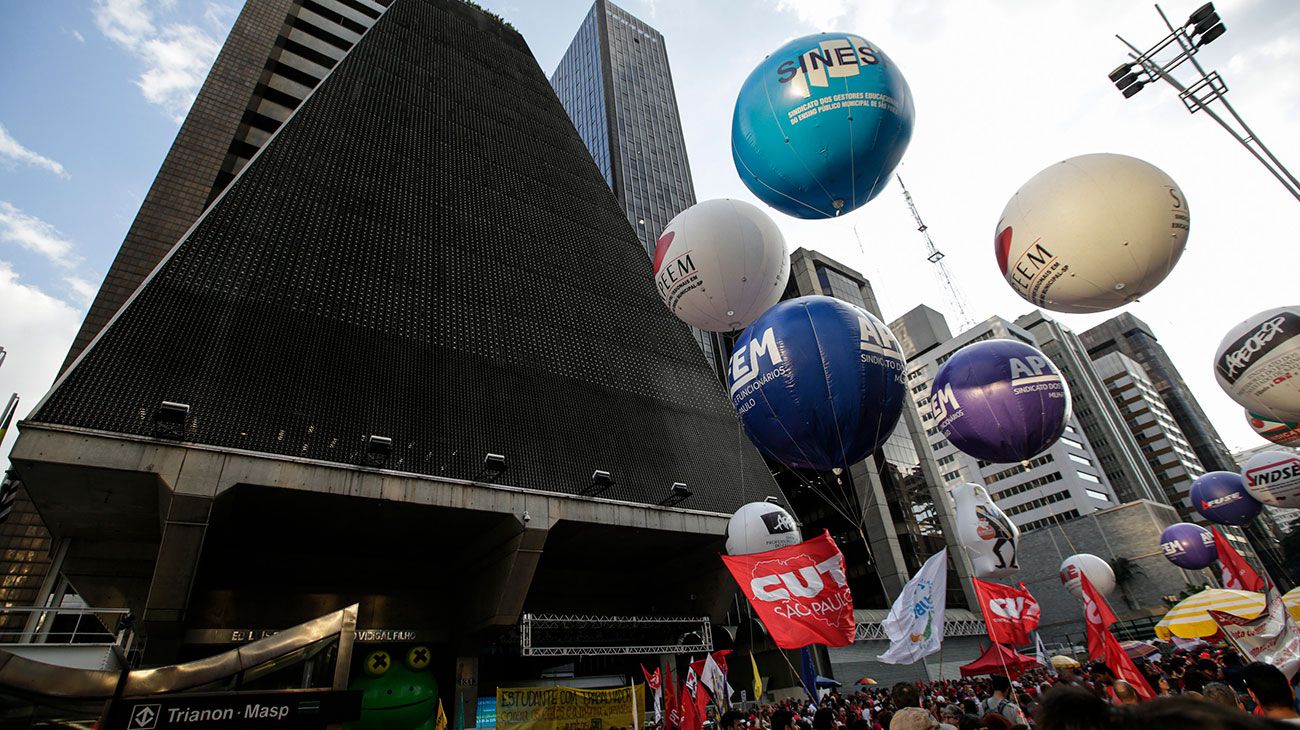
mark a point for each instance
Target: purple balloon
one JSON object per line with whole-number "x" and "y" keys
{"x": 1188, "y": 546}
{"x": 1221, "y": 497}
{"x": 1000, "y": 400}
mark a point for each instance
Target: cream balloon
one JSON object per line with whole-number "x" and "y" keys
{"x": 1273, "y": 477}
{"x": 1258, "y": 363}
{"x": 1092, "y": 233}
{"x": 985, "y": 532}
{"x": 721, "y": 263}
{"x": 1282, "y": 433}
{"x": 1097, "y": 570}
{"x": 761, "y": 526}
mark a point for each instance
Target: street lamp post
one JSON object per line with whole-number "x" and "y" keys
{"x": 1200, "y": 29}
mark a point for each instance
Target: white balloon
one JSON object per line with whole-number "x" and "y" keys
{"x": 1092, "y": 233}
{"x": 721, "y": 263}
{"x": 761, "y": 526}
{"x": 985, "y": 532}
{"x": 1258, "y": 363}
{"x": 1097, "y": 570}
{"x": 1273, "y": 477}
{"x": 1282, "y": 433}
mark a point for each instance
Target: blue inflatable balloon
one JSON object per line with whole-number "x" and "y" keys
{"x": 1188, "y": 546}
{"x": 1000, "y": 400}
{"x": 820, "y": 125}
{"x": 818, "y": 383}
{"x": 1222, "y": 497}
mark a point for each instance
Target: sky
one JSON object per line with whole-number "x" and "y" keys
{"x": 92, "y": 93}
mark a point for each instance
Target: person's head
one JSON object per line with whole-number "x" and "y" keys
{"x": 1163, "y": 685}
{"x": 782, "y": 720}
{"x": 995, "y": 721}
{"x": 951, "y": 714}
{"x": 1001, "y": 684}
{"x": 1269, "y": 688}
{"x": 732, "y": 720}
{"x": 970, "y": 706}
{"x": 1221, "y": 693}
{"x": 1125, "y": 694}
{"x": 824, "y": 719}
{"x": 1072, "y": 708}
{"x": 905, "y": 694}
{"x": 1102, "y": 673}
{"x": 913, "y": 718}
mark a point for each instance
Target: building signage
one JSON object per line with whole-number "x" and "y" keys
{"x": 308, "y": 708}
{"x": 363, "y": 636}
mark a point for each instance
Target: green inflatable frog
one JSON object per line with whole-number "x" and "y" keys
{"x": 397, "y": 696}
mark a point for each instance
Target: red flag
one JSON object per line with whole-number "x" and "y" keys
{"x": 1009, "y": 613}
{"x": 1237, "y": 573}
{"x": 693, "y": 701}
{"x": 1114, "y": 657}
{"x": 1099, "y": 617}
{"x": 800, "y": 592}
{"x": 656, "y": 689}
{"x": 672, "y": 710}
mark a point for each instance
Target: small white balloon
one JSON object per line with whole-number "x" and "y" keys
{"x": 1273, "y": 477}
{"x": 1258, "y": 363}
{"x": 721, "y": 263}
{"x": 989, "y": 537}
{"x": 1092, "y": 233}
{"x": 758, "y": 527}
{"x": 1097, "y": 570}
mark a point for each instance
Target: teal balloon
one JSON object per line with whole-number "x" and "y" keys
{"x": 821, "y": 124}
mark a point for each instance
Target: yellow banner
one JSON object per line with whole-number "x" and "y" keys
{"x": 565, "y": 708}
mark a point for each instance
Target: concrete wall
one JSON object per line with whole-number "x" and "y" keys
{"x": 1131, "y": 530}
{"x": 859, "y": 660}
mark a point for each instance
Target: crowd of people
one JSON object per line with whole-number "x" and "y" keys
{"x": 1204, "y": 689}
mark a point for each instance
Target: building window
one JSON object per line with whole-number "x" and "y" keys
{"x": 1072, "y": 442}
{"x": 1089, "y": 477}
{"x": 1098, "y": 495}
{"x": 1079, "y": 459}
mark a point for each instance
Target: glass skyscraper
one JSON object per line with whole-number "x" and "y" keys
{"x": 615, "y": 83}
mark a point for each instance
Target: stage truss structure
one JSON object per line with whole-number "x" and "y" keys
{"x": 550, "y": 634}
{"x": 875, "y": 632}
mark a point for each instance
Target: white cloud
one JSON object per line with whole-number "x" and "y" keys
{"x": 13, "y": 152}
{"x": 176, "y": 56}
{"x": 820, "y": 14}
{"x": 76, "y": 34}
{"x": 35, "y": 235}
{"x": 83, "y": 290}
{"x": 36, "y": 341}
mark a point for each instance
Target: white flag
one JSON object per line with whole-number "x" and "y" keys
{"x": 716, "y": 680}
{"x": 1041, "y": 651}
{"x": 915, "y": 623}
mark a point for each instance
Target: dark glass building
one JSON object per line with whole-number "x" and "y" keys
{"x": 616, "y": 85}
{"x": 384, "y": 367}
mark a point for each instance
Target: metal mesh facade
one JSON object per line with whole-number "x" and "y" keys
{"x": 426, "y": 252}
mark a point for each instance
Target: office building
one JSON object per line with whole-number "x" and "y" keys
{"x": 1131, "y": 336}
{"x": 1117, "y": 451}
{"x": 1159, "y": 437}
{"x": 277, "y": 52}
{"x": 615, "y": 82}
{"x": 1064, "y": 482}
{"x": 374, "y": 372}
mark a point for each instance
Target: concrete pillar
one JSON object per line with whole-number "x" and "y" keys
{"x": 183, "y": 529}
{"x": 503, "y": 571}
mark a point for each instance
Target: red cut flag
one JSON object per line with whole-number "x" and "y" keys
{"x": 1099, "y": 617}
{"x": 1237, "y": 573}
{"x": 800, "y": 592}
{"x": 657, "y": 689}
{"x": 693, "y": 701}
{"x": 672, "y": 710}
{"x": 1009, "y": 613}
{"x": 1123, "y": 667}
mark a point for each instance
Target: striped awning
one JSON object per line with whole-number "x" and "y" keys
{"x": 1189, "y": 618}
{"x": 1292, "y": 600}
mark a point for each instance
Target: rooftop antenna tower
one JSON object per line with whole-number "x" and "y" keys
{"x": 956, "y": 302}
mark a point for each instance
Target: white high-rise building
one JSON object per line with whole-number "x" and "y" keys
{"x": 1064, "y": 482}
